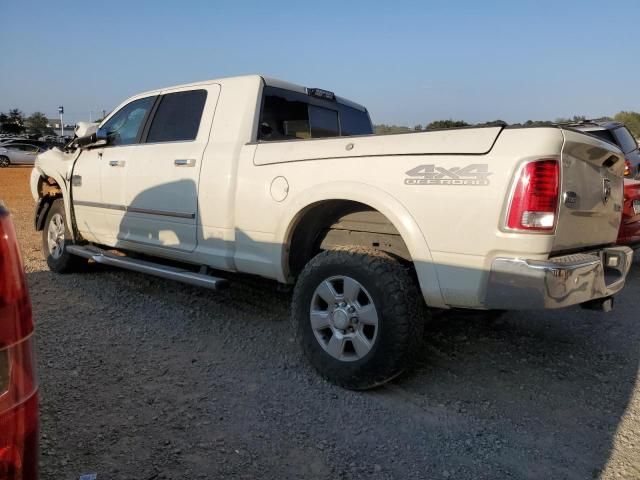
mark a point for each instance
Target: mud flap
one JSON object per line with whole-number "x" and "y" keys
{"x": 42, "y": 209}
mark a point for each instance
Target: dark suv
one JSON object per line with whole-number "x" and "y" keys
{"x": 618, "y": 134}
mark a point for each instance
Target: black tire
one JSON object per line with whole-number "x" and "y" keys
{"x": 64, "y": 262}
{"x": 400, "y": 311}
{"x": 4, "y": 161}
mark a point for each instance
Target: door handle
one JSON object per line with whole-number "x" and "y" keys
{"x": 184, "y": 162}
{"x": 116, "y": 163}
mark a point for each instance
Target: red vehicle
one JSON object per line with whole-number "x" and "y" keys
{"x": 18, "y": 384}
{"x": 629, "y": 233}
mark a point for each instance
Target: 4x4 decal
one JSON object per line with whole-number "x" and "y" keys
{"x": 475, "y": 174}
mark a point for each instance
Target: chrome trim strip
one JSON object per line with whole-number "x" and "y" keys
{"x": 160, "y": 212}
{"x": 109, "y": 206}
{"x": 123, "y": 208}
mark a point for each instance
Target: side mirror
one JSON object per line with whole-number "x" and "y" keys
{"x": 96, "y": 139}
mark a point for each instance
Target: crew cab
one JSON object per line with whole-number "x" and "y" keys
{"x": 255, "y": 175}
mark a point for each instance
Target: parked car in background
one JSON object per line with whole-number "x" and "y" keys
{"x": 27, "y": 141}
{"x": 18, "y": 384}
{"x": 618, "y": 134}
{"x": 19, "y": 154}
{"x": 629, "y": 233}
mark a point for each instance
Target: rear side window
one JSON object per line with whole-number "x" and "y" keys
{"x": 178, "y": 117}
{"x": 625, "y": 140}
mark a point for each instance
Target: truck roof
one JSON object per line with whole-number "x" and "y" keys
{"x": 591, "y": 125}
{"x": 268, "y": 81}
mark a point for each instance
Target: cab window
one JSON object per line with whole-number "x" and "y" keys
{"x": 288, "y": 115}
{"x": 125, "y": 126}
{"x": 323, "y": 122}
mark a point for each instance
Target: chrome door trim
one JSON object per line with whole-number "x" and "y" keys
{"x": 123, "y": 208}
{"x": 109, "y": 206}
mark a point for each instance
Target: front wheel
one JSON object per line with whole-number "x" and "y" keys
{"x": 358, "y": 315}
{"x": 4, "y": 161}
{"x": 56, "y": 236}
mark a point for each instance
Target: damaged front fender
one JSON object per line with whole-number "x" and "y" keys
{"x": 50, "y": 180}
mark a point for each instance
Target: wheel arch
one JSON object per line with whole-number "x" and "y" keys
{"x": 307, "y": 202}
{"x": 47, "y": 188}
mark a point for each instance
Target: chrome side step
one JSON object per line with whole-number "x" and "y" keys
{"x": 150, "y": 268}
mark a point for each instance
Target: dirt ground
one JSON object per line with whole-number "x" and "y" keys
{"x": 144, "y": 378}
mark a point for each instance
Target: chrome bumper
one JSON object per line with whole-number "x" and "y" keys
{"x": 517, "y": 284}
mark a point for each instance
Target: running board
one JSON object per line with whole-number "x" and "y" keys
{"x": 150, "y": 268}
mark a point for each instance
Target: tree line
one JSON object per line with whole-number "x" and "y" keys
{"x": 631, "y": 119}
{"x": 15, "y": 123}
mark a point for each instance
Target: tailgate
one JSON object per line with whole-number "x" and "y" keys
{"x": 592, "y": 185}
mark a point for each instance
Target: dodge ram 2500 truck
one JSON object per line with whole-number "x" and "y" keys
{"x": 255, "y": 175}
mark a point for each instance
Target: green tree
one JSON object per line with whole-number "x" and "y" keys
{"x": 13, "y": 122}
{"x": 537, "y": 123}
{"x": 37, "y": 124}
{"x": 631, "y": 120}
{"x": 384, "y": 129}
{"x": 447, "y": 124}
{"x": 493, "y": 123}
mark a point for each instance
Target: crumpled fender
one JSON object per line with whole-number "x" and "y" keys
{"x": 57, "y": 165}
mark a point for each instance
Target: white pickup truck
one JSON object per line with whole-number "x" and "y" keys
{"x": 255, "y": 175}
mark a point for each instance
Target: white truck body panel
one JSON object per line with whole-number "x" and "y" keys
{"x": 235, "y": 207}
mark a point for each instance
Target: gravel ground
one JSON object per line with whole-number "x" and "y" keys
{"x": 143, "y": 378}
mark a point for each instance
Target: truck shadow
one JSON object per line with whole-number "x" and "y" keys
{"x": 532, "y": 395}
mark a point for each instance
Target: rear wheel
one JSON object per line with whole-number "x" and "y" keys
{"x": 4, "y": 161}
{"x": 358, "y": 316}
{"x": 56, "y": 236}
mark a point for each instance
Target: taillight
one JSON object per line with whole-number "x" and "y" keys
{"x": 627, "y": 168}
{"x": 18, "y": 384}
{"x": 534, "y": 201}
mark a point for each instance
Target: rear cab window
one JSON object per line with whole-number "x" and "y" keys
{"x": 289, "y": 115}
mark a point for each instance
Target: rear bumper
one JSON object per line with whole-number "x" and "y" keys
{"x": 518, "y": 284}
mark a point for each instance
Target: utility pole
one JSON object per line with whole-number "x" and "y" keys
{"x": 61, "y": 112}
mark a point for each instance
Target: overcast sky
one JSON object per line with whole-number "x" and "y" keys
{"x": 408, "y": 62}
